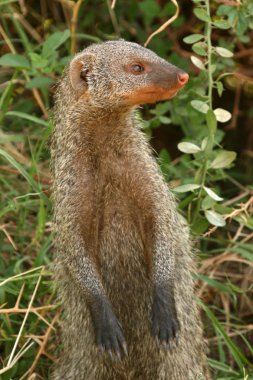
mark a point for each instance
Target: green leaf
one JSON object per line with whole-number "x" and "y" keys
{"x": 224, "y": 10}
{"x": 21, "y": 170}
{"x": 214, "y": 283}
{"x": 185, "y": 188}
{"x": 215, "y": 218}
{"x": 204, "y": 143}
{"x": 200, "y": 48}
{"x": 224, "y": 52}
{"x": 25, "y": 116}
{"x": 222, "y": 367}
{"x": 39, "y": 82}
{"x": 220, "y": 88}
{"x": 223, "y": 210}
{"x": 207, "y": 203}
{"x": 150, "y": 9}
{"x": 201, "y": 14}
{"x": 212, "y": 194}
{"x": 38, "y": 61}
{"x": 15, "y": 60}
{"x": 244, "y": 253}
{"x": 161, "y": 108}
{"x": 242, "y": 24}
{"x": 165, "y": 119}
{"x": 200, "y": 225}
{"x": 223, "y": 159}
{"x": 197, "y": 62}
{"x": 188, "y": 147}
{"x": 222, "y": 24}
{"x": 6, "y": 96}
{"x": 200, "y": 106}
{"x": 54, "y": 41}
{"x": 222, "y": 115}
{"x": 193, "y": 38}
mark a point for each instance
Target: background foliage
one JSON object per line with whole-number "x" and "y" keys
{"x": 205, "y": 155}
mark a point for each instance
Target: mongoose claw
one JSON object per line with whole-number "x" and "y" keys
{"x": 110, "y": 338}
{"x": 165, "y": 325}
{"x": 125, "y": 349}
{"x": 109, "y": 335}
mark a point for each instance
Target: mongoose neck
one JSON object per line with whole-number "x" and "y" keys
{"x": 100, "y": 130}
{"x": 106, "y": 116}
{"x": 102, "y": 122}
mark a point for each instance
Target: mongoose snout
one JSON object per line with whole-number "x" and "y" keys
{"x": 182, "y": 78}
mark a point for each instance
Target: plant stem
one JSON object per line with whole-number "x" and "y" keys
{"x": 209, "y": 56}
{"x": 211, "y": 130}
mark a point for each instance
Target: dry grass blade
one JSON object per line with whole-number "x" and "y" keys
{"x": 2, "y": 228}
{"x": 32, "y": 31}
{"x": 73, "y": 23}
{"x": 113, "y": 4}
{"x": 25, "y": 318}
{"x": 7, "y": 40}
{"x": 25, "y": 348}
{"x": 13, "y": 359}
{"x": 113, "y": 18}
{"x": 42, "y": 346}
{"x": 9, "y": 279}
{"x": 164, "y": 26}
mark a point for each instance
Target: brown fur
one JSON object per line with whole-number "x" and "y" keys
{"x": 118, "y": 233}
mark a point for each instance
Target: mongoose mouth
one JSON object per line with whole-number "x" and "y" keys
{"x": 151, "y": 95}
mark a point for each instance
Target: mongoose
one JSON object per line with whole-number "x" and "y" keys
{"x": 123, "y": 255}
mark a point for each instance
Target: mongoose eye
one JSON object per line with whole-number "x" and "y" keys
{"x": 137, "y": 68}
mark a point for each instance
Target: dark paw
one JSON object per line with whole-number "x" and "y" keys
{"x": 108, "y": 331}
{"x": 165, "y": 325}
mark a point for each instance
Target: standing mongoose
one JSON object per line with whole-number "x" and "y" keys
{"x": 123, "y": 255}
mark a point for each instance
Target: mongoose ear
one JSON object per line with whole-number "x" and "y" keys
{"x": 79, "y": 68}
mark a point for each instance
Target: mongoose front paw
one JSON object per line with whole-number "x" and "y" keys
{"x": 108, "y": 331}
{"x": 165, "y": 325}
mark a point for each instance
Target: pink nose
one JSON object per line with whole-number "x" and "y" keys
{"x": 182, "y": 78}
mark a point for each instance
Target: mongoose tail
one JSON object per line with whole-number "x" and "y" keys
{"x": 123, "y": 254}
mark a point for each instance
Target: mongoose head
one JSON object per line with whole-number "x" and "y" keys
{"x": 121, "y": 73}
